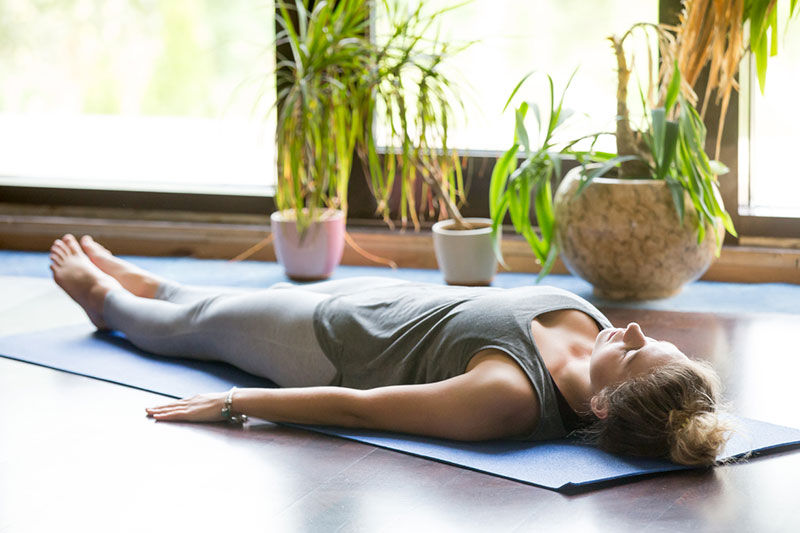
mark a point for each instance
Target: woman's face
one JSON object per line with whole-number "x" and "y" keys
{"x": 622, "y": 353}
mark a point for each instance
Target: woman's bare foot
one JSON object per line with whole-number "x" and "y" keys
{"x": 84, "y": 282}
{"x": 136, "y": 280}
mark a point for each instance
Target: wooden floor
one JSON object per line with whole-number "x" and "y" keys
{"x": 77, "y": 454}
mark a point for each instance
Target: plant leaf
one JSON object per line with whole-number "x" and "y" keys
{"x": 602, "y": 169}
{"x": 718, "y": 167}
{"x": 516, "y": 88}
{"x": 676, "y": 190}
{"x": 497, "y": 222}
{"x": 668, "y": 149}
{"x": 674, "y": 88}
{"x": 520, "y": 131}
{"x": 502, "y": 169}
{"x": 547, "y": 266}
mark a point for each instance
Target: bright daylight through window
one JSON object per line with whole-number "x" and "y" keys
{"x": 513, "y": 37}
{"x": 159, "y": 95}
{"x": 767, "y": 185}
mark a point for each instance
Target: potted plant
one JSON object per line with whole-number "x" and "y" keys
{"x": 640, "y": 231}
{"x": 323, "y": 92}
{"x": 331, "y": 89}
{"x": 653, "y": 234}
{"x": 416, "y": 102}
{"x": 640, "y": 234}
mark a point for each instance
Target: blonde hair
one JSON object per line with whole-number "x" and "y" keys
{"x": 670, "y": 412}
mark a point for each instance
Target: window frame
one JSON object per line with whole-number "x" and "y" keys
{"x": 748, "y": 224}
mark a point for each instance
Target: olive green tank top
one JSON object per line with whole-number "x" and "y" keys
{"x": 409, "y": 333}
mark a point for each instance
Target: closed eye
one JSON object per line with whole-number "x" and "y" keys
{"x": 629, "y": 355}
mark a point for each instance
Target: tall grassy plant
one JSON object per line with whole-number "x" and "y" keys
{"x": 323, "y": 92}
{"x": 416, "y": 102}
{"x": 717, "y": 35}
{"x": 334, "y": 86}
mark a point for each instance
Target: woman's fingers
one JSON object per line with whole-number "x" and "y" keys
{"x": 167, "y": 406}
{"x": 181, "y": 414}
{"x": 162, "y": 409}
{"x": 202, "y": 408}
{"x": 173, "y": 405}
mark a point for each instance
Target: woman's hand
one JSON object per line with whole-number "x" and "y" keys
{"x": 200, "y": 408}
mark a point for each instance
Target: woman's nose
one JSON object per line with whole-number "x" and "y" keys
{"x": 633, "y": 336}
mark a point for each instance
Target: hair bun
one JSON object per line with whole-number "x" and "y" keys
{"x": 679, "y": 419}
{"x": 697, "y": 436}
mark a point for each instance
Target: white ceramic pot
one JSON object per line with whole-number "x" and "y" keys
{"x": 317, "y": 254}
{"x": 465, "y": 257}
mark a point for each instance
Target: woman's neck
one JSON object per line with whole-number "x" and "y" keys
{"x": 574, "y": 383}
{"x": 565, "y": 340}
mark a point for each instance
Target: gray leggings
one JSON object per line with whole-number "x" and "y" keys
{"x": 268, "y": 332}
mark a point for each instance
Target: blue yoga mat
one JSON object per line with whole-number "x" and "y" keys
{"x": 560, "y": 465}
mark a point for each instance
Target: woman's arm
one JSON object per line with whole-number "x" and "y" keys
{"x": 494, "y": 399}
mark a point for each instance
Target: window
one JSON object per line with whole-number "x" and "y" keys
{"x": 171, "y": 95}
{"x": 771, "y": 131}
{"x": 513, "y": 37}
{"x": 155, "y": 95}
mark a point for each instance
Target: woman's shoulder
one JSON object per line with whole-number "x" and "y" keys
{"x": 510, "y": 386}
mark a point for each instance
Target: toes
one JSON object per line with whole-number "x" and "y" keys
{"x": 92, "y": 247}
{"x": 58, "y": 248}
{"x": 72, "y": 243}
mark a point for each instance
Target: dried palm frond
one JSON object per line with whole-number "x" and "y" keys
{"x": 710, "y": 32}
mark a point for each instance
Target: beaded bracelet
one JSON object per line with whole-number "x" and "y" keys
{"x": 227, "y": 411}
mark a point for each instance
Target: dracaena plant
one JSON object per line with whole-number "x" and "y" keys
{"x": 333, "y": 87}
{"x": 670, "y": 144}
{"x": 676, "y": 138}
{"x": 323, "y": 91}
{"x": 416, "y": 100}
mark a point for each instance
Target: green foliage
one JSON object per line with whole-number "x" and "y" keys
{"x": 514, "y": 183}
{"x": 763, "y": 18}
{"x": 679, "y": 157}
{"x": 416, "y": 102}
{"x": 332, "y": 88}
{"x": 323, "y": 90}
{"x": 695, "y": 174}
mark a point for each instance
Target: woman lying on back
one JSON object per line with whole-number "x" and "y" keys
{"x": 462, "y": 363}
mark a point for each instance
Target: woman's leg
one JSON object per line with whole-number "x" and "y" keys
{"x": 269, "y": 333}
{"x": 345, "y": 286}
{"x": 171, "y": 291}
{"x": 143, "y": 283}
{"x": 148, "y": 285}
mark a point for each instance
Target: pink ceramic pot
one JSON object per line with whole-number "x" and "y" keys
{"x": 320, "y": 251}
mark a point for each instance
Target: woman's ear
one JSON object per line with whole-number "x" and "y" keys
{"x": 599, "y": 407}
